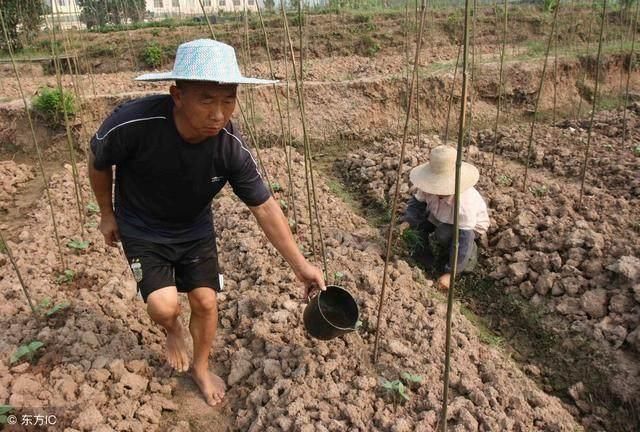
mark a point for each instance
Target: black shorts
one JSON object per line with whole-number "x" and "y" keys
{"x": 186, "y": 266}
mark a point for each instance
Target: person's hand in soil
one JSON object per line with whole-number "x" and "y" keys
{"x": 444, "y": 282}
{"x": 312, "y": 278}
{"x": 109, "y": 229}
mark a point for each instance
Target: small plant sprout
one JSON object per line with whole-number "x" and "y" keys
{"x": 636, "y": 150}
{"x": 410, "y": 378}
{"x": 78, "y": 245}
{"x": 65, "y": 277}
{"x": 92, "y": 208}
{"x": 283, "y": 205}
{"x": 395, "y": 390}
{"x": 4, "y": 410}
{"x": 57, "y": 308}
{"x": 91, "y": 224}
{"x": 338, "y": 276}
{"x": 276, "y": 187}
{"x": 292, "y": 225}
{"x": 539, "y": 191}
{"x": 45, "y": 308}
{"x": 26, "y": 351}
{"x": 504, "y": 180}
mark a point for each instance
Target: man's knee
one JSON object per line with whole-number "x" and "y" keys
{"x": 203, "y": 301}
{"x": 162, "y": 304}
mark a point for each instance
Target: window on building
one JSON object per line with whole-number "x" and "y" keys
{"x": 62, "y": 2}
{"x": 208, "y": 2}
{"x": 158, "y": 4}
{"x": 175, "y": 3}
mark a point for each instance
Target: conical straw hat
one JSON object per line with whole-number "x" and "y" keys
{"x": 438, "y": 176}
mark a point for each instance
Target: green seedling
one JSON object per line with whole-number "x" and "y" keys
{"x": 636, "y": 150}
{"x": 44, "y": 303}
{"x": 539, "y": 191}
{"x": 292, "y": 225}
{"x": 57, "y": 308}
{"x": 65, "y": 277}
{"x": 410, "y": 378}
{"x": 44, "y": 307}
{"x": 396, "y": 390}
{"x": 275, "y": 186}
{"x": 91, "y": 224}
{"x": 283, "y": 205}
{"x": 78, "y": 245}
{"x": 338, "y": 276}
{"x": 504, "y": 180}
{"x": 4, "y": 410}
{"x": 26, "y": 351}
{"x": 92, "y": 208}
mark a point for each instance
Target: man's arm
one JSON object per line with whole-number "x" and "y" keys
{"x": 101, "y": 183}
{"x": 276, "y": 228}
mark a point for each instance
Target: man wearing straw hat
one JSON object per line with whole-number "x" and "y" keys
{"x": 430, "y": 211}
{"x": 173, "y": 154}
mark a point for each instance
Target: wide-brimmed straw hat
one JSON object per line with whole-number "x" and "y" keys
{"x": 205, "y": 60}
{"x": 438, "y": 176}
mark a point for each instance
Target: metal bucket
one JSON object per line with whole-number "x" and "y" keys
{"x": 331, "y": 313}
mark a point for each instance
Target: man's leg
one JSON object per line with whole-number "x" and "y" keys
{"x": 164, "y": 309}
{"x": 466, "y": 245}
{"x": 203, "y": 326}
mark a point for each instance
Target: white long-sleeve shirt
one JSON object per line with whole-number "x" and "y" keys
{"x": 474, "y": 214}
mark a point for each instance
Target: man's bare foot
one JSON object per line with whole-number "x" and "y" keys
{"x": 177, "y": 356}
{"x": 211, "y": 385}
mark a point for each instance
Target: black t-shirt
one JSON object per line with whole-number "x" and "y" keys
{"x": 164, "y": 185}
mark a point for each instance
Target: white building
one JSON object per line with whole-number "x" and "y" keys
{"x": 64, "y": 13}
{"x": 164, "y": 8}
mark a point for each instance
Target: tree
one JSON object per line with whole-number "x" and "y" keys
{"x": 96, "y": 13}
{"x": 22, "y": 19}
{"x": 269, "y": 5}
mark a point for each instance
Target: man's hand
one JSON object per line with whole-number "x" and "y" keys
{"x": 312, "y": 278}
{"x": 109, "y": 229}
{"x": 444, "y": 282}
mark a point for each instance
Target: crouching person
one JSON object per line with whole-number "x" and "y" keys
{"x": 430, "y": 212}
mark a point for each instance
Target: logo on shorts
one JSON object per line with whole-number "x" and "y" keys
{"x": 136, "y": 269}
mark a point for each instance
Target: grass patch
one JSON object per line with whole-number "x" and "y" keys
{"x": 52, "y": 105}
{"x": 485, "y": 334}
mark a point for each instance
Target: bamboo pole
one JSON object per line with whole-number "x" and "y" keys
{"x": 254, "y": 140}
{"x": 535, "y": 112}
{"x": 500, "y": 87}
{"x": 45, "y": 180}
{"x": 472, "y": 96}
{"x": 456, "y": 218}
{"x": 206, "y": 17}
{"x": 23, "y": 285}
{"x": 305, "y": 137}
{"x": 595, "y": 102}
{"x": 307, "y": 144}
{"x": 287, "y": 155}
{"x": 70, "y": 141}
{"x": 453, "y": 86}
{"x": 629, "y": 71}
{"x": 584, "y": 72}
{"x": 396, "y": 194}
